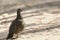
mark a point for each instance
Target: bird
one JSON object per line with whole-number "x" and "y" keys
{"x": 16, "y": 26}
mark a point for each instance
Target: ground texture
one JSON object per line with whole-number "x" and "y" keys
{"x": 41, "y": 19}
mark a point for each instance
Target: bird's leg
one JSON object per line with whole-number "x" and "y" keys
{"x": 16, "y": 35}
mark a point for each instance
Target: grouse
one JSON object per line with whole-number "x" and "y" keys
{"x": 16, "y": 26}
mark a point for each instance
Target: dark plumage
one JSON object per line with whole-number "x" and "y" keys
{"x": 16, "y": 26}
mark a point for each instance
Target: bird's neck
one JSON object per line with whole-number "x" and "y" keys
{"x": 19, "y": 15}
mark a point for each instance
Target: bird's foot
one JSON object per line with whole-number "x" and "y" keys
{"x": 15, "y": 36}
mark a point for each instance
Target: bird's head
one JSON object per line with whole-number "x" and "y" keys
{"x": 19, "y": 10}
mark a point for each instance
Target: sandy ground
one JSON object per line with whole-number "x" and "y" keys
{"x": 41, "y": 20}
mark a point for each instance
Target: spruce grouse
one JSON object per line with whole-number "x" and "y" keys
{"x": 16, "y": 26}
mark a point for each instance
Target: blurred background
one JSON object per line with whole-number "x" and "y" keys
{"x": 41, "y": 18}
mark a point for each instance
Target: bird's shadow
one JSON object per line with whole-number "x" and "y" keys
{"x": 41, "y": 30}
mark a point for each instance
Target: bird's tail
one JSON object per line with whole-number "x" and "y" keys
{"x": 10, "y": 35}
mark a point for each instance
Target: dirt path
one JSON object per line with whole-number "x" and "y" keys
{"x": 43, "y": 23}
